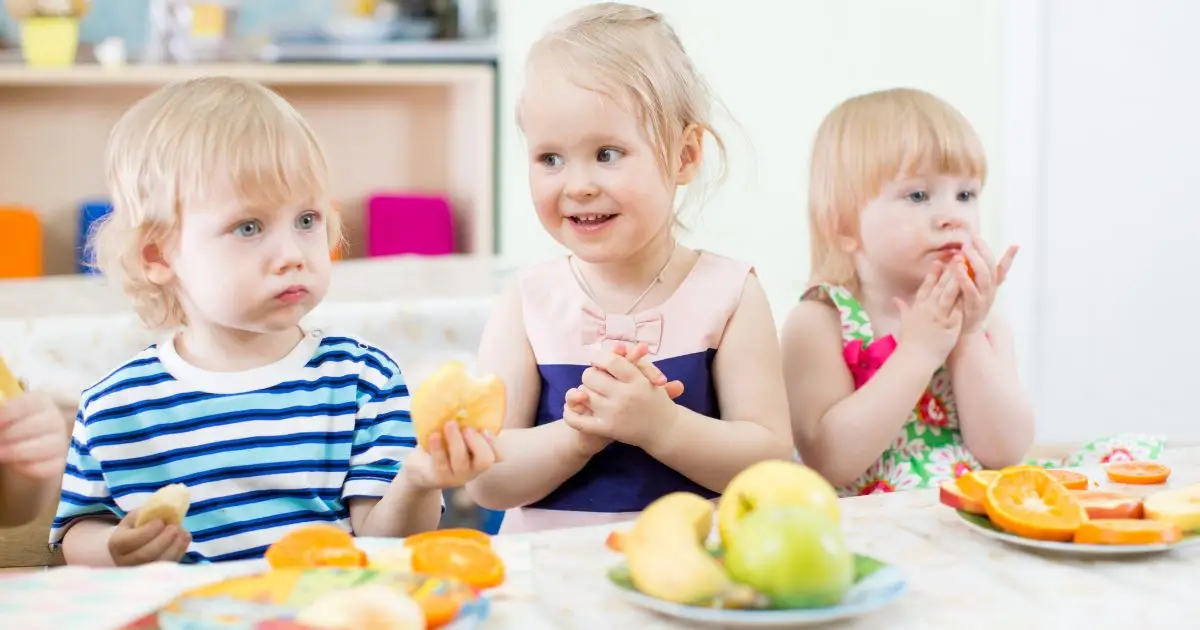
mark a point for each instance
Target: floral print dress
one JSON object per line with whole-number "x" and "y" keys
{"x": 930, "y": 447}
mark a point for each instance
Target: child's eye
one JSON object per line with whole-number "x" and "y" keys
{"x": 609, "y": 154}
{"x": 966, "y": 195}
{"x": 553, "y": 160}
{"x": 248, "y": 228}
{"x": 918, "y": 196}
{"x": 308, "y": 220}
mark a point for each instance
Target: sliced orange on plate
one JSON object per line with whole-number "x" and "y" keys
{"x": 1069, "y": 478}
{"x": 451, "y": 532}
{"x": 1128, "y": 531}
{"x": 319, "y": 545}
{"x": 1138, "y": 473}
{"x": 468, "y": 561}
{"x": 1032, "y": 503}
{"x": 1108, "y": 504}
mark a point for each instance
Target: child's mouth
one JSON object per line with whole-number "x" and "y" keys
{"x": 591, "y": 220}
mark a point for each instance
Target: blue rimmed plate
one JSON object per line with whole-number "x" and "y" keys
{"x": 876, "y": 585}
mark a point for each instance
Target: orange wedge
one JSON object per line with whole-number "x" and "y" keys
{"x": 1031, "y": 503}
{"x": 1138, "y": 473}
{"x": 468, "y": 561}
{"x": 975, "y": 483}
{"x": 1128, "y": 531}
{"x": 452, "y": 532}
{"x": 1071, "y": 479}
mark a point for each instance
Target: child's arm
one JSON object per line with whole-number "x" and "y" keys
{"x": 840, "y": 432}
{"x": 381, "y": 498}
{"x": 33, "y": 451}
{"x": 536, "y": 459}
{"x": 994, "y": 413}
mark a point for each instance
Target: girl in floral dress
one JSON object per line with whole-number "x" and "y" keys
{"x": 900, "y": 374}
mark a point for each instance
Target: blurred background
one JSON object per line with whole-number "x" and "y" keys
{"x": 1086, "y": 109}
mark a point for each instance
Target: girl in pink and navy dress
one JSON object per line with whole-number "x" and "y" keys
{"x": 635, "y": 366}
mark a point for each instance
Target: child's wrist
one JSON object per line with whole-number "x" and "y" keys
{"x": 664, "y": 431}
{"x": 967, "y": 343}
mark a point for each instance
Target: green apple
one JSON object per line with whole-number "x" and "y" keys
{"x": 795, "y": 555}
{"x": 769, "y": 483}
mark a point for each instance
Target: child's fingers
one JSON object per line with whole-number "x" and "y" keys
{"x": 491, "y": 441}
{"x": 576, "y": 396}
{"x": 931, "y": 279}
{"x": 638, "y": 352}
{"x": 438, "y": 460}
{"x": 620, "y": 368}
{"x": 947, "y": 292}
{"x": 179, "y": 546}
{"x": 126, "y": 538}
{"x": 479, "y": 449}
{"x": 971, "y": 293}
{"x": 156, "y": 548}
{"x": 674, "y": 389}
{"x": 43, "y": 457}
{"x": 599, "y": 383}
{"x": 456, "y": 448}
{"x": 1005, "y": 264}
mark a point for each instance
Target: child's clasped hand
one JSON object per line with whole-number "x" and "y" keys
{"x": 979, "y": 294}
{"x": 623, "y": 399}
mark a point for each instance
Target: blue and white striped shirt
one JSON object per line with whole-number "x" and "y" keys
{"x": 262, "y": 451}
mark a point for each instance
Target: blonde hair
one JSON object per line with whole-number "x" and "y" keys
{"x": 631, "y": 54}
{"x": 191, "y": 143}
{"x": 867, "y": 142}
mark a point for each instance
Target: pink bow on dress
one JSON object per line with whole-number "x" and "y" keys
{"x": 865, "y": 360}
{"x": 631, "y": 329}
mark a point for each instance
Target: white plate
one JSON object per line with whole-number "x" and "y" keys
{"x": 876, "y": 590}
{"x": 985, "y": 527}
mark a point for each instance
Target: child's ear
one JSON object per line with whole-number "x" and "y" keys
{"x": 691, "y": 154}
{"x": 157, "y": 269}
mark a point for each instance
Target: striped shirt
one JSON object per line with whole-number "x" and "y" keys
{"x": 262, "y": 451}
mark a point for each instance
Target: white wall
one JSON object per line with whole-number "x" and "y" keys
{"x": 780, "y": 67}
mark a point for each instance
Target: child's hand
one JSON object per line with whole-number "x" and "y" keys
{"x": 34, "y": 438}
{"x": 153, "y": 542}
{"x": 980, "y": 294}
{"x": 626, "y": 406}
{"x": 934, "y": 320}
{"x": 455, "y": 457}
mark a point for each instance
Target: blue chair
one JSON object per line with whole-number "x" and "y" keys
{"x": 490, "y": 520}
{"x": 89, "y": 213}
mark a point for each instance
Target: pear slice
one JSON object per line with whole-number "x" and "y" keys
{"x": 1180, "y": 506}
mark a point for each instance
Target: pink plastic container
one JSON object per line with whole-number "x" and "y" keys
{"x": 408, "y": 224}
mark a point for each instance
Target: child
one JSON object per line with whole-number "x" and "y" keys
{"x": 33, "y": 450}
{"x": 615, "y": 115}
{"x": 222, "y": 226}
{"x": 899, "y": 372}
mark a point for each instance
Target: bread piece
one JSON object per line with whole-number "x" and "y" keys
{"x": 169, "y": 504}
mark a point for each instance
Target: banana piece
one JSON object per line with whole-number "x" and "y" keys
{"x": 169, "y": 504}
{"x": 666, "y": 554}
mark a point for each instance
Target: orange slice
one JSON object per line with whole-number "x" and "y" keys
{"x": 1107, "y": 504}
{"x": 1128, "y": 531}
{"x": 453, "y": 532}
{"x": 1031, "y": 503}
{"x": 1138, "y": 473}
{"x": 468, "y": 561}
{"x": 974, "y": 484}
{"x": 1071, "y": 479}
{"x": 950, "y": 493}
{"x": 315, "y": 546}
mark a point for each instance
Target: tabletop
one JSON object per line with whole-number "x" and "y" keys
{"x": 956, "y": 577}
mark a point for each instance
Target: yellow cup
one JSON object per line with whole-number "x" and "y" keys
{"x": 49, "y": 42}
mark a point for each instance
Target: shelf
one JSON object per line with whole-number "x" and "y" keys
{"x": 444, "y": 74}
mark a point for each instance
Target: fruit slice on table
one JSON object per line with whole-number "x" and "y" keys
{"x": 616, "y": 540}
{"x": 1107, "y": 504}
{"x": 975, "y": 483}
{"x": 1031, "y": 503}
{"x": 315, "y": 546}
{"x": 1128, "y": 531}
{"x": 451, "y": 394}
{"x": 452, "y": 532}
{"x": 950, "y": 493}
{"x": 1069, "y": 478}
{"x": 1180, "y": 506}
{"x": 667, "y": 558}
{"x": 1139, "y": 473}
{"x": 468, "y": 561}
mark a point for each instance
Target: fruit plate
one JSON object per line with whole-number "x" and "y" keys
{"x": 273, "y": 599}
{"x": 876, "y": 584}
{"x": 984, "y": 526}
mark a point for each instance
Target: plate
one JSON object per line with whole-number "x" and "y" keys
{"x": 984, "y": 526}
{"x": 876, "y": 584}
{"x": 272, "y": 599}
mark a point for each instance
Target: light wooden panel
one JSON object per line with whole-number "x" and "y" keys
{"x": 397, "y": 129}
